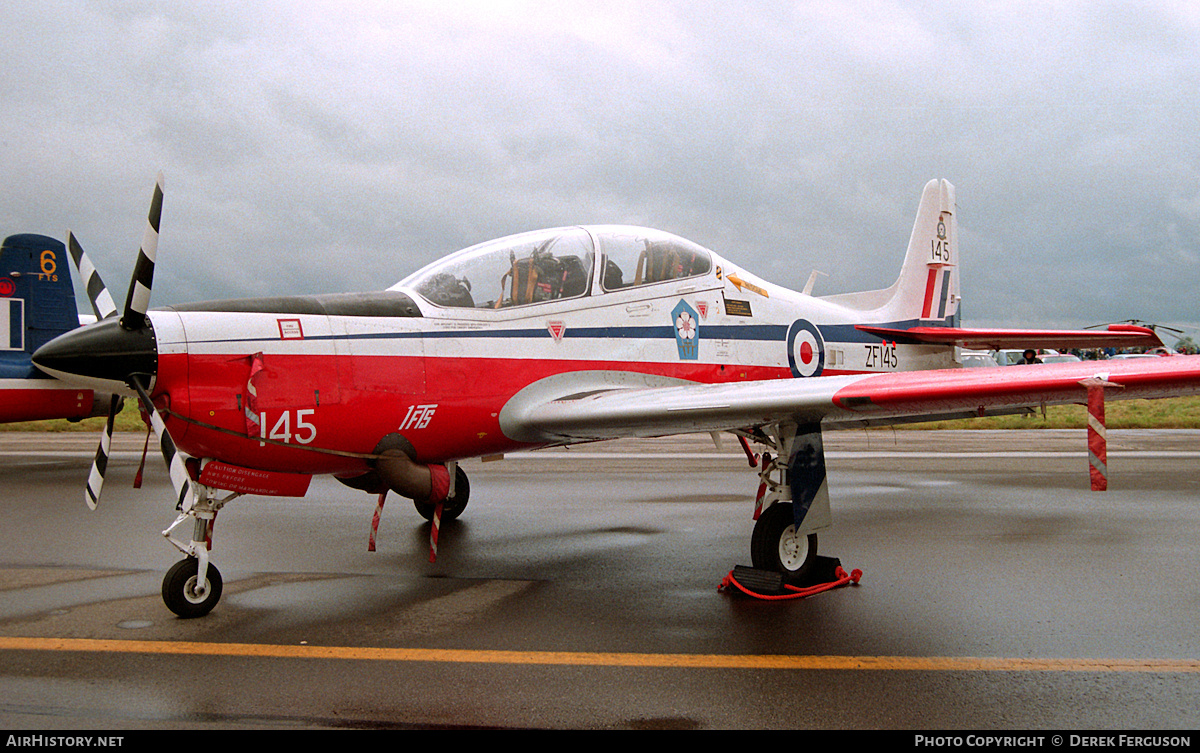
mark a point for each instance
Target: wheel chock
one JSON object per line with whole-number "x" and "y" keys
{"x": 825, "y": 574}
{"x": 760, "y": 581}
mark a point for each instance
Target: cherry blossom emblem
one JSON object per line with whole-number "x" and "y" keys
{"x": 685, "y": 325}
{"x": 687, "y": 331}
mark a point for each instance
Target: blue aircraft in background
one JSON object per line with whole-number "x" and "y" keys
{"x": 37, "y": 304}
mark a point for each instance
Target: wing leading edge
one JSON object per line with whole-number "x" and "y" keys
{"x": 614, "y": 411}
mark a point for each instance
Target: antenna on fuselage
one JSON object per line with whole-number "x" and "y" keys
{"x": 812, "y": 280}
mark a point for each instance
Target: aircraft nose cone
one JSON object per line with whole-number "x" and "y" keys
{"x": 99, "y": 353}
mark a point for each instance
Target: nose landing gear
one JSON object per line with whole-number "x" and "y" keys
{"x": 192, "y": 587}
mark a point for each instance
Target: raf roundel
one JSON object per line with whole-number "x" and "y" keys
{"x": 806, "y": 349}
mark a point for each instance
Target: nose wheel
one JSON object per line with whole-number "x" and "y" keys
{"x": 187, "y": 594}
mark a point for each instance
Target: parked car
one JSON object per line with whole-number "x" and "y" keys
{"x": 1060, "y": 358}
{"x": 1008, "y": 357}
{"x": 974, "y": 359}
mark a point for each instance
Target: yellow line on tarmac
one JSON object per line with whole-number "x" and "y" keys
{"x": 600, "y": 659}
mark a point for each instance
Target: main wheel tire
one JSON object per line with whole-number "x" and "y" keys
{"x": 774, "y": 544}
{"x": 179, "y": 589}
{"x": 452, "y": 507}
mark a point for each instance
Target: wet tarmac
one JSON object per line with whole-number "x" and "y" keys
{"x": 580, "y": 591}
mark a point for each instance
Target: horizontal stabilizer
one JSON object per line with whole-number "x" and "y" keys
{"x": 1116, "y": 336}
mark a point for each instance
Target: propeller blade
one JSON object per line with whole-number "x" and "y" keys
{"x": 1140, "y": 323}
{"x": 137, "y": 302}
{"x": 102, "y": 303}
{"x": 100, "y": 464}
{"x": 171, "y": 455}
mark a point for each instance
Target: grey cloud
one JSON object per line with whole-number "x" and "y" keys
{"x": 329, "y": 146}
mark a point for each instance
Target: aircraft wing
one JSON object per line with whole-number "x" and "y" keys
{"x": 561, "y": 410}
{"x": 1116, "y": 336}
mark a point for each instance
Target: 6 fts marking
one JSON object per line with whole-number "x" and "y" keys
{"x": 49, "y": 264}
{"x": 281, "y": 431}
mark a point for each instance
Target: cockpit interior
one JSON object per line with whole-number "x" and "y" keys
{"x": 559, "y": 264}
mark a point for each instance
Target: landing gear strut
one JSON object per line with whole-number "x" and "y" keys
{"x": 793, "y": 499}
{"x": 192, "y": 587}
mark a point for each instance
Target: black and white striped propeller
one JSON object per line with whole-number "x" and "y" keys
{"x": 137, "y": 302}
{"x": 103, "y": 307}
{"x": 171, "y": 456}
{"x": 102, "y": 303}
{"x": 133, "y": 319}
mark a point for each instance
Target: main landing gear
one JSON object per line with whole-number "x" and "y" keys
{"x": 792, "y": 502}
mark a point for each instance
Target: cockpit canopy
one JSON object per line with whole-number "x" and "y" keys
{"x": 549, "y": 265}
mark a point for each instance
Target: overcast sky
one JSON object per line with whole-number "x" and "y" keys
{"x": 314, "y": 147}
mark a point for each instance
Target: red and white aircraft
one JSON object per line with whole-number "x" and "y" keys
{"x": 551, "y": 338}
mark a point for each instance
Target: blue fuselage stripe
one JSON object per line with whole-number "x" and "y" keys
{"x": 846, "y": 333}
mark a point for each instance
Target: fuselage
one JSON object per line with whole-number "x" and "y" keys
{"x": 311, "y": 384}
{"x": 342, "y": 371}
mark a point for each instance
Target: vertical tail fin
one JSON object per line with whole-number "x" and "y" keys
{"x": 928, "y": 282}
{"x": 37, "y": 298}
{"x": 926, "y": 292}
{"x": 37, "y": 304}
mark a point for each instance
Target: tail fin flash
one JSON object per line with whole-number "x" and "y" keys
{"x": 926, "y": 291}
{"x": 37, "y": 299}
{"x": 928, "y": 281}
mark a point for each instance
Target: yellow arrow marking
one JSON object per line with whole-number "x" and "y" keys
{"x": 740, "y": 283}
